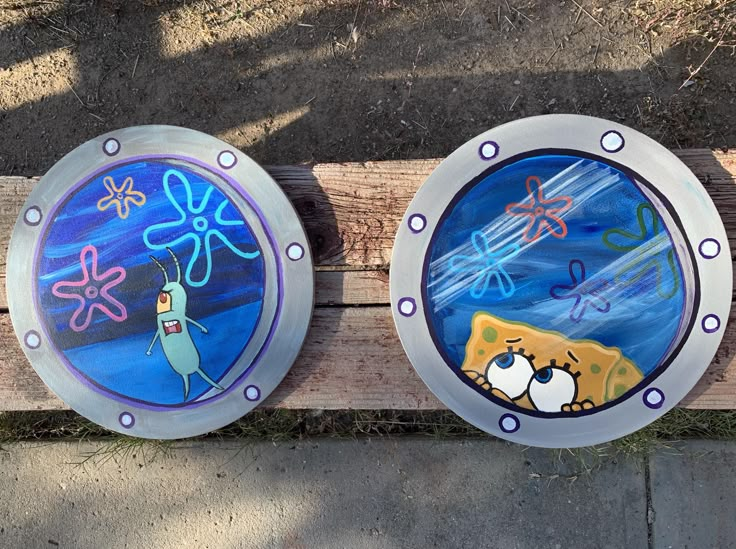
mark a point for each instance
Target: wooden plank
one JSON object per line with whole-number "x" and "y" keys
{"x": 351, "y": 288}
{"x": 352, "y": 359}
{"x": 351, "y": 211}
{"x": 368, "y": 287}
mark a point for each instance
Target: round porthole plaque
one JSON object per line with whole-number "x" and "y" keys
{"x": 561, "y": 281}
{"x": 159, "y": 282}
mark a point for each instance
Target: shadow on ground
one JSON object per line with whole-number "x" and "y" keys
{"x": 331, "y": 494}
{"x": 289, "y": 84}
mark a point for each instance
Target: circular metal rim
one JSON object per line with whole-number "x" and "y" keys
{"x": 284, "y": 234}
{"x": 660, "y": 168}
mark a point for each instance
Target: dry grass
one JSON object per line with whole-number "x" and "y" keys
{"x": 684, "y": 20}
{"x": 280, "y": 425}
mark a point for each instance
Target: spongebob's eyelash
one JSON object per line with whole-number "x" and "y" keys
{"x": 520, "y": 352}
{"x": 566, "y": 366}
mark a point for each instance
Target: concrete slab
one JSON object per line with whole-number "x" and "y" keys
{"x": 694, "y": 495}
{"x": 378, "y": 493}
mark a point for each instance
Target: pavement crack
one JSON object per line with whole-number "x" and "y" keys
{"x": 650, "y": 507}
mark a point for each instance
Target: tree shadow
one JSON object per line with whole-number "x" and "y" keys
{"x": 322, "y": 493}
{"x": 290, "y": 84}
{"x": 316, "y": 211}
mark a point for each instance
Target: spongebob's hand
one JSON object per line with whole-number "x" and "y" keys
{"x": 500, "y": 394}
{"x": 577, "y": 406}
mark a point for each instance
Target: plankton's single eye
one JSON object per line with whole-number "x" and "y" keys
{"x": 163, "y": 297}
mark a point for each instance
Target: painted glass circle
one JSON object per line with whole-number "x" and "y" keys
{"x": 150, "y": 262}
{"x": 567, "y": 283}
{"x": 160, "y": 282}
{"x": 541, "y": 277}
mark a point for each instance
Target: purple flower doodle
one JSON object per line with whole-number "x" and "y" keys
{"x": 584, "y": 293}
{"x": 92, "y": 291}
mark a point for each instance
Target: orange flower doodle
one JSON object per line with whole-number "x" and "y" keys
{"x": 543, "y": 212}
{"x": 120, "y": 196}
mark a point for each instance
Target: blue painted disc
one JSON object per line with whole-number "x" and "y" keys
{"x": 557, "y": 267}
{"x": 159, "y": 281}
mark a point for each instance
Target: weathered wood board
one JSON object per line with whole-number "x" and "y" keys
{"x": 352, "y": 358}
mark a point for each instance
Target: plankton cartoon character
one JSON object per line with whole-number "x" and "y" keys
{"x": 172, "y": 329}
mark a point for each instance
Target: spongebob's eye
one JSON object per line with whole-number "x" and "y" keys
{"x": 510, "y": 373}
{"x": 551, "y": 387}
{"x": 505, "y": 360}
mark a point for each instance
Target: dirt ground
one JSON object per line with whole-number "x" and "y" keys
{"x": 329, "y": 80}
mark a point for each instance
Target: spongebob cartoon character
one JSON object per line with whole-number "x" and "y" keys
{"x": 543, "y": 370}
{"x": 173, "y": 331}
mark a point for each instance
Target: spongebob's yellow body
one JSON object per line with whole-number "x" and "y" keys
{"x": 544, "y": 370}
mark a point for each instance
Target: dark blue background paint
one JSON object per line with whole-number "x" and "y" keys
{"x": 113, "y": 354}
{"x": 640, "y": 322}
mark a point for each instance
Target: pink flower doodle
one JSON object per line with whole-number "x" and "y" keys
{"x": 92, "y": 292}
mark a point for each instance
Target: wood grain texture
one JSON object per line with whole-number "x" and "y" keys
{"x": 352, "y": 358}
{"x": 351, "y": 211}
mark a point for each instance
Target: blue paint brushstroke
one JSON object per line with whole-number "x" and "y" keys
{"x": 639, "y": 321}
{"x": 229, "y": 304}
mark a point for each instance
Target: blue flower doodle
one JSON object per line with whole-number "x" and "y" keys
{"x": 486, "y": 265}
{"x": 202, "y": 231}
{"x": 584, "y": 293}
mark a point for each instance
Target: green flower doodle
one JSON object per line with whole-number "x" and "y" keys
{"x": 652, "y": 252}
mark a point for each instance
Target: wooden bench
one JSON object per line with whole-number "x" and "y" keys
{"x": 352, "y": 358}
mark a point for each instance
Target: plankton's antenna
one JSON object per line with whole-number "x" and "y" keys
{"x": 163, "y": 269}
{"x": 178, "y": 268}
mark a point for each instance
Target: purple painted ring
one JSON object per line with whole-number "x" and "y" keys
{"x": 407, "y": 306}
{"x": 711, "y": 323}
{"x": 612, "y": 141}
{"x": 252, "y": 393}
{"x": 488, "y": 150}
{"x": 295, "y": 251}
{"x": 653, "y": 398}
{"x": 417, "y": 223}
{"x": 126, "y": 419}
{"x": 227, "y": 159}
{"x": 33, "y": 216}
{"x": 111, "y": 146}
{"x": 509, "y": 423}
{"x": 32, "y": 339}
{"x": 709, "y": 248}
